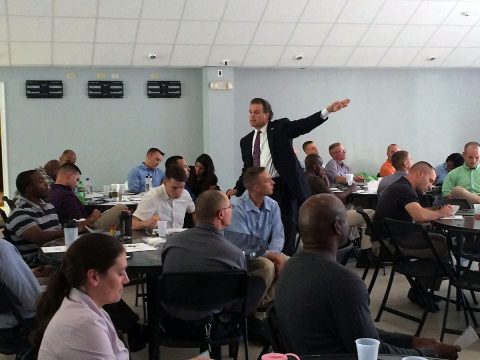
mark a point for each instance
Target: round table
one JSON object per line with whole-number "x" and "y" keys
{"x": 350, "y": 357}
{"x": 466, "y": 223}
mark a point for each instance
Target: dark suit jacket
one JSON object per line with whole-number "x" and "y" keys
{"x": 280, "y": 134}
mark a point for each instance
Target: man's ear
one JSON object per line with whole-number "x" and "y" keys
{"x": 336, "y": 227}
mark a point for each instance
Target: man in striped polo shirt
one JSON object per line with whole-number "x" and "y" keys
{"x": 33, "y": 222}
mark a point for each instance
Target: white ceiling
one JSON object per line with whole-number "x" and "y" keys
{"x": 249, "y": 33}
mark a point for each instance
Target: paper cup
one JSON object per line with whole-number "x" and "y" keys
{"x": 70, "y": 234}
{"x": 367, "y": 349}
{"x": 349, "y": 179}
{"x": 476, "y": 208}
{"x": 162, "y": 227}
{"x": 106, "y": 190}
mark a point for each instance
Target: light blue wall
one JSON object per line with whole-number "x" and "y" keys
{"x": 110, "y": 136}
{"x": 431, "y": 113}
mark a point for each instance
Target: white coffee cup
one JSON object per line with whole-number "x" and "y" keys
{"x": 367, "y": 349}
{"x": 476, "y": 208}
{"x": 115, "y": 192}
{"x": 162, "y": 227}
{"x": 70, "y": 234}
{"x": 349, "y": 179}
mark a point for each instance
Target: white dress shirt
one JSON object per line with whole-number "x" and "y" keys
{"x": 157, "y": 202}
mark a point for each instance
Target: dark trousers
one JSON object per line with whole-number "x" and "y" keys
{"x": 289, "y": 205}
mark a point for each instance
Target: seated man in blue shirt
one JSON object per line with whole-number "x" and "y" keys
{"x": 255, "y": 213}
{"x": 136, "y": 176}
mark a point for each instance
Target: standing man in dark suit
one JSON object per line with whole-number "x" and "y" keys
{"x": 270, "y": 146}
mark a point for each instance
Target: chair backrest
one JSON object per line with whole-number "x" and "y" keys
{"x": 385, "y": 252}
{"x": 273, "y": 331}
{"x": 343, "y": 253}
{"x": 463, "y": 203}
{"x": 4, "y": 216}
{"x": 203, "y": 290}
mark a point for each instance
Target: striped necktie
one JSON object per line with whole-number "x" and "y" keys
{"x": 256, "y": 150}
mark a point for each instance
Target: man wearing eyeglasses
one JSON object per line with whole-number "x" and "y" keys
{"x": 336, "y": 168}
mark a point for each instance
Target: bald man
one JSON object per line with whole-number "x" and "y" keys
{"x": 463, "y": 182}
{"x": 68, "y": 156}
{"x": 334, "y": 300}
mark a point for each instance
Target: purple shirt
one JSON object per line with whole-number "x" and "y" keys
{"x": 66, "y": 203}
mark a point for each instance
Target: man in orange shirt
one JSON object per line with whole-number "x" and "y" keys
{"x": 387, "y": 167}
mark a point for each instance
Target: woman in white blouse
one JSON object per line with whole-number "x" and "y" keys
{"x": 70, "y": 314}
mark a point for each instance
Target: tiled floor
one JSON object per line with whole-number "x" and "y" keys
{"x": 388, "y": 322}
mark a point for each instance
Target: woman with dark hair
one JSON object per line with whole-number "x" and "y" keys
{"x": 202, "y": 175}
{"x": 71, "y": 321}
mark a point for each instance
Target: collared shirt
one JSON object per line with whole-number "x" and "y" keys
{"x": 265, "y": 154}
{"x": 26, "y": 215}
{"x": 334, "y": 169}
{"x": 136, "y": 177}
{"x": 389, "y": 180}
{"x": 462, "y": 176}
{"x": 265, "y": 222}
{"x": 66, "y": 203}
{"x": 442, "y": 172}
{"x": 81, "y": 330}
{"x": 387, "y": 169}
{"x": 15, "y": 274}
{"x": 157, "y": 202}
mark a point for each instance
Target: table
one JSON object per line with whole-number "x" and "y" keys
{"x": 468, "y": 223}
{"x": 101, "y": 203}
{"x": 150, "y": 263}
{"x": 352, "y": 357}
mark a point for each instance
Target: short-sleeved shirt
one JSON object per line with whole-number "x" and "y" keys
{"x": 462, "y": 176}
{"x": 387, "y": 169}
{"x": 25, "y": 215}
{"x": 157, "y": 202}
{"x": 318, "y": 185}
{"x": 265, "y": 222}
{"x": 136, "y": 177}
{"x": 334, "y": 169}
{"x": 389, "y": 180}
{"x": 392, "y": 205}
{"x": 66, "y": 203}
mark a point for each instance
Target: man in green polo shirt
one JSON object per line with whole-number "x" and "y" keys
{"x": 464, "y": 181}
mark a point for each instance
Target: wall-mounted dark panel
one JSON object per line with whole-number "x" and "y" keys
{"x": 44, "y": 89}
{"x": 105, "y": 89}
{"x": 164, "y": 89}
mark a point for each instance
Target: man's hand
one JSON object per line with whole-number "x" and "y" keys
{"x": 445, "y": 210}
{"x": 358, "y": 178}
{"x": 421, "y": 342}
{"x": 446, "y": 351}
{"x": 278, "y": 260}
{"x": 337, "y": 105}
{"x": 231, "y": 192}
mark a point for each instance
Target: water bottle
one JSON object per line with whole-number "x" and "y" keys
{"x": 126, "y": 226}
{"x": 148, "y": 183}
{"x": 88, "y": 186}
{"x": 81, "y": 192}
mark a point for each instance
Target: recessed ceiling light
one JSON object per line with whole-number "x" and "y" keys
{"x": 298, "y": 57}
{"x": 465, "y": 13}
{"x": 431, "y": 58}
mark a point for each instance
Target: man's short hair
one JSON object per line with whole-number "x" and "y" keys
{"x": 421, "y": 166}
{"x": 267, "y": 108}
{"x": 24, "y": 180}
{"x": 471, "y": 143}
{"x": 250, "y": 175}
{"x": 154, "y": 150}
{"x": 175, "y": 172}
{"x": 334, "y": 145}
{"x": 207, "y": 205}
{"x": 172, "y": 161}
{"x": 399, "y": 158}
{"x": 456, "y": 158}
{"x": 312, "y": 160}
{"x": 306, "y": 143}
{"x": 69, "y": 167}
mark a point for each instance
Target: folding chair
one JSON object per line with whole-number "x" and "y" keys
{"x": 421, "y": 273}
{"x": 203, "y": 292}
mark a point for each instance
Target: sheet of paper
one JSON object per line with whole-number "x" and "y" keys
{"x": 138, "y": 247}
{"x": 54, "y": 249}
{"x": 453, "y": 217}
{"x": 468, "y": 337}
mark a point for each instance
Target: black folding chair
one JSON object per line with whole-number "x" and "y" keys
{"x": 13, "y": 340}
{"x": 10, "y": 202}
{"x": 422, "y": 274}
{"x": 466, "y": 246}
{"x": 377, "y": 261}
{"x": 202, "y": 292}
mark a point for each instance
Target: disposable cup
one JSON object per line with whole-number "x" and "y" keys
{"x": 162, "y": 227}
{"x": 349, "y": 178}
{"x": 367, "y": 349}
{"x": 476, "y": 208}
